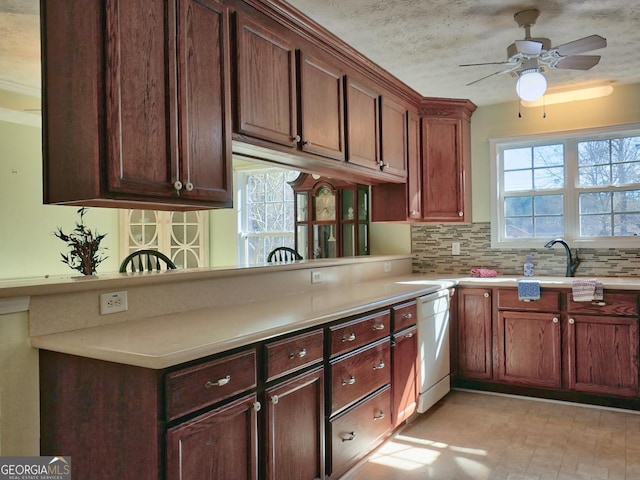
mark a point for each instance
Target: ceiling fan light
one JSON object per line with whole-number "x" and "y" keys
{"x": 531, "y": 85}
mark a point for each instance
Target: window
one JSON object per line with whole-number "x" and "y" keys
{"x": 582, "y": 186}
{"x": 266, "y": 219}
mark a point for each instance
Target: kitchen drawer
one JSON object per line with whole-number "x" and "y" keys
{"x": 202, "y": 385}
{"x": 549, "y": 301}
{"x": 356, "y": 333}
{"x": 358, "y": 430}
{"x": 360, "y": 373}
{"x": 404, "y": 315}
{"x": 620, "y": 304}
{"x": 293, "y": 353}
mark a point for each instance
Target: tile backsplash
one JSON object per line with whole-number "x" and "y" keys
{"x": 431, "y": 249}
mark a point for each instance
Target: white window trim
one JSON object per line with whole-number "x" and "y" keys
{"x": 570, "y": 204}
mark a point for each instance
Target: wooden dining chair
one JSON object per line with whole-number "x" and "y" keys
{"x": 283, "y": 254}
{"x": 142, "y": 260}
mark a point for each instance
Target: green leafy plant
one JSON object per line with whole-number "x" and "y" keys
{"x": 85, "y": 254}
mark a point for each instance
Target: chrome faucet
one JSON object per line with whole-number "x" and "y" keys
{"x": 572, "y": 263}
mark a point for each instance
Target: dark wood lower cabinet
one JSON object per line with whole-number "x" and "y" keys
{"x": 222, "y": 443}
{"x": 474, "y": 327}
{"x": 404, "y": 371}
{"x": 294, "y": 439}
{"x": 528, "y": 349}
{"x": 603, "y": 354}
{"x": 358, "y": 430}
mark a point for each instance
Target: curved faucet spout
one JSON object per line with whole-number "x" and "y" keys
{"x": 572, "y": 262}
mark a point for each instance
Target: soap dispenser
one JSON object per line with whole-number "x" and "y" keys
{"x": 528, "y": 267}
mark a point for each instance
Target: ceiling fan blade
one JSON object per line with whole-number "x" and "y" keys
{"x": 501, "y": 72}
{"x": 528, "y": 47}
{"x": 586, "y": 44}
{"x": 487, "y": 63}
{"x": 578, "y": 62}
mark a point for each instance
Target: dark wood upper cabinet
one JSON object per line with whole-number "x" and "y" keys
{"x": 266, "y": 83}
{"x": 321, "y": 107}
{"x": 363, "y": 124}
{"x": 136, "y": 104}
{"x": 446, "y": 160}
{"x": 393, "y": 119}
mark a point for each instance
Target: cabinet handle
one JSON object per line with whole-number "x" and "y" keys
{"x": 408, "y": 335}
{"x": 177, "y": 185}
{"x": 461, "y": 214}
{"x": 379, "y": 366}
{"x": 486, "y": 295}
{"x": 383, "y": 165}
{"x": 413, "y": 213}
{"x": 380, "y": 416}
{"x": 188, "y": 186}
{"x": 378, "y": 326}
{"x": 407, "y": 316}
{"x": 555, "y": 320}
{"x": 599, "y": 304}
{"x": 571, "y": 321}
{"x": 351, "y": 381}
{"x": 274, "y": 399}
{"x": 220, "y": 383}
{"x": 297, "y": 138}
{"x": 301, "y": 354}
{"x": 348, "y": 437}
{"x": 306, "y": 142}
{"x": 350, "y": 338}
{"x": 257, "y": 406}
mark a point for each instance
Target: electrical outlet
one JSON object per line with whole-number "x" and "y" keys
{"x": 455, "y": 248}
{"x": 113, "y": 302}
{"x": 387, "y": 267}
{"x": 316, "y": 276}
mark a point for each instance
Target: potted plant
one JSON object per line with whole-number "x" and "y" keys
{"x": 85, "y": 254}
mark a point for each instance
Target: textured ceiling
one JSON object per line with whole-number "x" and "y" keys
{"x": 422, "y": 42}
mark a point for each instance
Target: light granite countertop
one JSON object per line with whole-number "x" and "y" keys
{"x": 167, "y": 340}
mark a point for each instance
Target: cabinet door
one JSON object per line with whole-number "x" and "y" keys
{"x": 266, "y": 84}
{"x": 204, "y": 100}
{"x": 603, "y": 354}
{"x": 294, "y": 440}
{"x": 443, "y": 187}
{"x": 393, "y": 119}
{"x": 529, "y": 349}
{"x": 219, "y": 444}
{"x": 363, "y": 120}
{"x": 141, "y": 106}
{"x": 322, "y": 108}
{"x": 414, "y": 169}
{"x": 404, "y": 375}
{"x": 474, "y": 333}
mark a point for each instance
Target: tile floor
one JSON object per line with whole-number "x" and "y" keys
{"x": 476, "y": 436}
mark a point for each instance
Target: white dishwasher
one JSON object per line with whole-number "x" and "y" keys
{"x": 433, "y": 348}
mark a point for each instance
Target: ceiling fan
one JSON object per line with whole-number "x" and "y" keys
{"x": 528, "y": 58}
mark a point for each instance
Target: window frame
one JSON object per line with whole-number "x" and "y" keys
{"x": 571, "y": 190}
{"x": 243, "y": 235}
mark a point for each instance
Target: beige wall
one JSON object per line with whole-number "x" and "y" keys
{"x": 621, "y": 107}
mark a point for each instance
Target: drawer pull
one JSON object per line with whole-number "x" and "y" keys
{"x": 274, "y": 399}
{"x": 220, "y": 383}
{"x": 408, "y": 335}
{"x": 350, "y": 338}
{"x": 378, "y": 326}
{"x": 379, "y": 366}
{"x": 599, "y": 304}
{"x": 407, "y": 316}
{"x": 380, "y": 416}
{"x": 348, "y": 437}
{"x": 301, "y": 354}
{"x": 351, "y": 381}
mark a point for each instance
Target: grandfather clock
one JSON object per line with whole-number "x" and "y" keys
{"x": 332, "y": 217}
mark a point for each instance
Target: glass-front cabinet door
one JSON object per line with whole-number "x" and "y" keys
{"x": 331, "y": 220}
